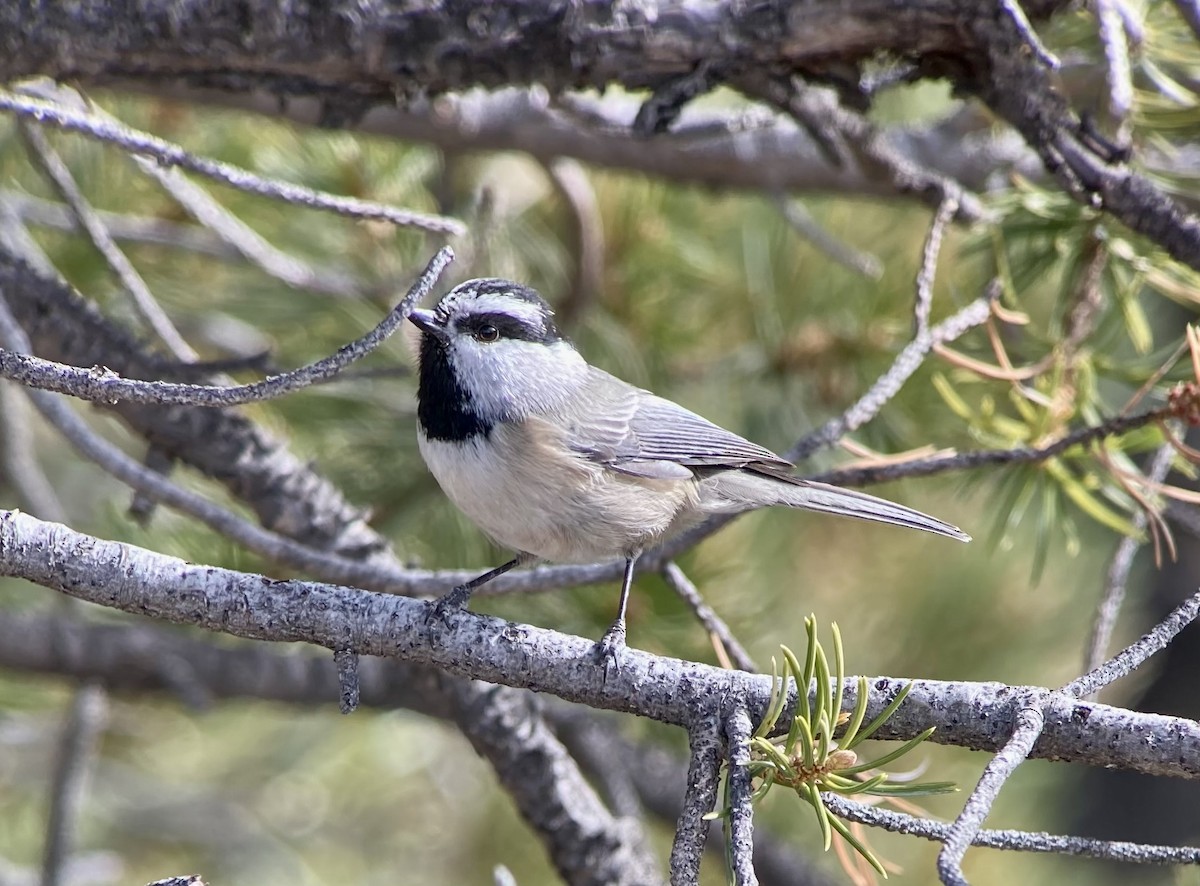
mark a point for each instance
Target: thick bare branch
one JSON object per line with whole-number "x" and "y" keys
{"x": 738, "y": 730}
{"x": 979, "y": 716}
{"x": 703, "y": 777}
{"x": 588, "y": 844}
{"x": 382, "y": 50}
{"x": 285, "y": 492}
{"x": 127, "y": 657}
{"x": 1010, "y": 78}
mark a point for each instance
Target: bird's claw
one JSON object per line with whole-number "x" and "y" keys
{"x": 609, "y": 648}
{"x": 445, "y": 606}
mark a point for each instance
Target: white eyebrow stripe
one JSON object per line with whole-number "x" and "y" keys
{"x": 496, "y": 303}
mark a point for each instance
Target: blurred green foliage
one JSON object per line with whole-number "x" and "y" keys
{"x": 708, "y": 298}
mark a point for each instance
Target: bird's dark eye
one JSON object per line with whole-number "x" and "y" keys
{"x": 487, "y": 333}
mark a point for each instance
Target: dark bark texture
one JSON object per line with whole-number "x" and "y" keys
{"x": 353, "y": 58}
{"x": 287, "y": 494}
{"x": 378, "y": 48}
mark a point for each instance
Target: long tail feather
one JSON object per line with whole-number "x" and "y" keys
{"x": 746, "y": 489}
{"x": 828, "y": 499}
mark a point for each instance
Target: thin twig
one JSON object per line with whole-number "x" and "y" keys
{"x": 185, "y": 236}
{"x": 1117, "y": 579}
{"x": 839, "y": 131}
{"x": 1131, "y": 657}
{"x": 965, "y": 827}
{"x": 18, "y": 460}
{"x": 152, "y": 484}
{"x": 1111, "y": 25}
{"x": 738, "y": 730}
{"x": 960, "y": 461}
{"x": 683, "y": 586}
{"x": 1029, "y": 724}
{"x": 802, "y": 222}
{"x": 906, "y": 363}
{"x": 145, "y": 229}
{"x": 147, "y": 305}
{"x": 923, "y": 303}
{"x": 103, "y": 386}
{"x": 664, "y": 106}
{"x": 77, "y": 742}
{"x": 703, "y": 778}
{"x": 173, "y": 155}
{"x": 1019, "y": 19}
{"x": 16, "y": 240}
{"x": 246, "y": 241}
{"x": 1021, "y": 841}
{"x": 572, "y": 182}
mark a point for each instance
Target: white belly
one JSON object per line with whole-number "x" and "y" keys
{"x": 531, "y": 496}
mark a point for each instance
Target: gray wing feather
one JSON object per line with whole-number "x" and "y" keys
{"x": 636, "y": 432}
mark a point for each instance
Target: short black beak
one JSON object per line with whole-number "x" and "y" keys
{"x": 427, "y": 321}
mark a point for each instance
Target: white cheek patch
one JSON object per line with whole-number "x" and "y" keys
{"x": 508, "y": 380}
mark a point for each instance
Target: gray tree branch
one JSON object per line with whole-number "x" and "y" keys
{"x": 130, "y": 657}
{"x": 586, "y": 842}
{"x": 975, "y": 715}
{"x": 384, "y": 51}
{"x": 285, "y": 492}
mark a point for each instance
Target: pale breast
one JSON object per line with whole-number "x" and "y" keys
{"x": 531, "y": 495}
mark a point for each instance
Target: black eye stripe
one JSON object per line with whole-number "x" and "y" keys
{"x": 511, "y": 327}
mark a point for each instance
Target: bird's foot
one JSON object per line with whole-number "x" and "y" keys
{"x": 610, "y": 646}
{"x": 445, "y": 606}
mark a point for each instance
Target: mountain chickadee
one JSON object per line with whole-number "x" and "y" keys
{"x": 558, "y": 460}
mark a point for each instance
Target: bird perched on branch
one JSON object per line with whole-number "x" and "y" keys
{"x": 558, "y": 460}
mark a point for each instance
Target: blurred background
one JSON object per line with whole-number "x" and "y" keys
{"x": 708, "y": 297}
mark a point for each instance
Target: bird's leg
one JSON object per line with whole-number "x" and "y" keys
{"x": 458, "y": 596}
{"x": 613, "y": 641}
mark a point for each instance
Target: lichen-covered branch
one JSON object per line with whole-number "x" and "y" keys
{"x": 974, "y": 715}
